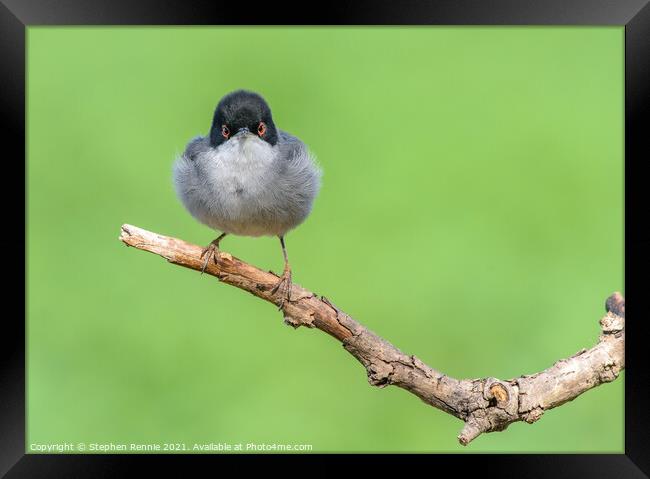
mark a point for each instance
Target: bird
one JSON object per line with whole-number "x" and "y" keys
{"x": 248, "y": 178}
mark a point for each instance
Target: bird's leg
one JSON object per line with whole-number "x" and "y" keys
{"x": 285, "y": 279}
{"x": 211, "y": 250}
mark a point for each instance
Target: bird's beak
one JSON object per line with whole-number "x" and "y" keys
{"x": 242, "y": 131}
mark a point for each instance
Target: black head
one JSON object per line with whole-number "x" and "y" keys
{"x": 239, "y": 112}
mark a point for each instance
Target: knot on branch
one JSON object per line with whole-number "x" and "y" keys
{"x": 611, "y": 323}
{"x": 370, "y": 351}
{"x": 496, "y": 407}
{"x": 496, "y": 392}
{"x": 379, "y": 373}
{"x": 502, "y": 395}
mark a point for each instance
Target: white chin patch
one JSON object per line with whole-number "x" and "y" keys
{"x": 254, "y": 148}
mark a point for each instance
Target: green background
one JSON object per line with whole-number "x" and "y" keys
{"x": 471, "y": 213}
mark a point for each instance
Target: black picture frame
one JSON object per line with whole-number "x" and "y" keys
{"x": 16, "y": 15}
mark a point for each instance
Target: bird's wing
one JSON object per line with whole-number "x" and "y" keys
{"x": 298, "y": 165}
{"x": 195, "y": 147}
{"x": 285, "y": 137}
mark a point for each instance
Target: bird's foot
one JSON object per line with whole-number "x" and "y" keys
{"x": 284, "y": 285}
{"x": 212, "y": 250}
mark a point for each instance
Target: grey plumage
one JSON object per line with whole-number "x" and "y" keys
{"x": 246, "y": 186}
{"x": 247, "y": 177}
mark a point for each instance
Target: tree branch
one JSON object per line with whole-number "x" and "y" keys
{"x": 486, "y": 405}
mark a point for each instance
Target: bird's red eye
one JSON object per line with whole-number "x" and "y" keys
{"x": 261, "y": 128}
{"x": 225, "y": 131}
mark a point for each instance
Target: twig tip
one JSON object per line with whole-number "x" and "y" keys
{"x": 616, "y": 304}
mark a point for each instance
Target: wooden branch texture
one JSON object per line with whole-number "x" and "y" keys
{"x": 485, "y": 405}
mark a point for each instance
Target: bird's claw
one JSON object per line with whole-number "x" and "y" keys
{"x": 211, "y": 250}
{"x": 285, "y": 284}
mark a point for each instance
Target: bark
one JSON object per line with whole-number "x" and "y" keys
{"x": 485, "y": 405}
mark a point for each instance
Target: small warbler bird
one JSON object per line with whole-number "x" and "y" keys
{"x": 247, "y": 177}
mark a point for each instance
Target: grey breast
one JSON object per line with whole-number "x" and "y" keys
{"x": 268, "y": 202}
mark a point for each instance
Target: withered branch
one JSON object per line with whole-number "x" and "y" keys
{"x": 485, "y": 405}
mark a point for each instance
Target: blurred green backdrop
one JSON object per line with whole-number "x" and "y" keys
{"x": 471, "y": 213}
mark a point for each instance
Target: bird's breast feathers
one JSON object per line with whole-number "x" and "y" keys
{"x": 247, "y": 186}
{"x": 240, "y": 166}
